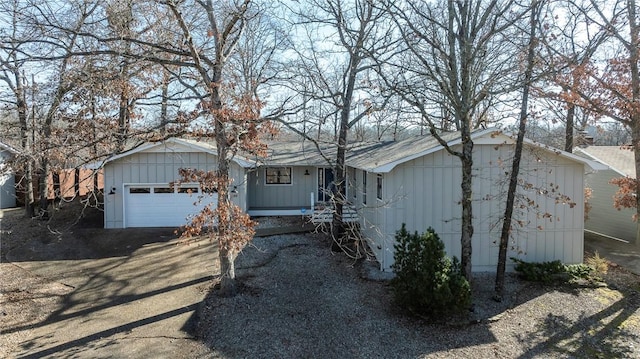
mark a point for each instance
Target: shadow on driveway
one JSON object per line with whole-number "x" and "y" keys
{"x": 129, "y": 293}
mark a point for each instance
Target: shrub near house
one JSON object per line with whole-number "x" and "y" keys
{"x": 427, "y": 282}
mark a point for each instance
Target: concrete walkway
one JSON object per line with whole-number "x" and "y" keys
{"x": 131, "y": 302}
{"x": 624, "y": 254}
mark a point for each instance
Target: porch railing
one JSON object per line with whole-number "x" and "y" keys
{"x": 323, "y": 212}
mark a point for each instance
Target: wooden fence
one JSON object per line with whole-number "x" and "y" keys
{"x": 66, "y": 183}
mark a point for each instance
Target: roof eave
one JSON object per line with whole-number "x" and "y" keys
{"x": 244, "y": 163}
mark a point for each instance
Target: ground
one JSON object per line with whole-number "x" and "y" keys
{"x": 82, "y": 291}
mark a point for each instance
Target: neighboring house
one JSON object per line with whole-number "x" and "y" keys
{"x": 604, "y": 219}
{"x": 414, "y": 181}
{"x": 7, "y": 177}
{"x": 417, "y": 182}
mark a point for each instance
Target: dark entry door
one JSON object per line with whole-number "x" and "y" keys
{"x": 325, "y": 184}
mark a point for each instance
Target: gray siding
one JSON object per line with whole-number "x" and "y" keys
{"x": 157, "y": 168}
{"x": 603, "y": 217}
{"x": 295, "y": 195}
{"x": 7, "y": 182}
{"x": 425, "y": 192}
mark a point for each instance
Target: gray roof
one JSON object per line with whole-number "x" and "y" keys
{"x": 298, "y": 153}
{"x": 383, "y": 156}
{"x": 378, "y": 157}
{"x": 619, "y": 159}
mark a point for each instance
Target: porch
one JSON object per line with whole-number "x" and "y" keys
{"x": 318, "y": 212}
{"x": 324, "y": 214}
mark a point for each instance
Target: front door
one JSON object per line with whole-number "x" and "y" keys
{"x": 325, "y": 184}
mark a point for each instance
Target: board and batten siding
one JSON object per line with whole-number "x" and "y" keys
{"x": 603, "y": 217}
{"x": 425, "y": 192}
{"x": 158, "y": 167}
{"x": 283, "y": 196}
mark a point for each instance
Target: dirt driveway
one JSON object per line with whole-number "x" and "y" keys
{"x": 99, "y": 293}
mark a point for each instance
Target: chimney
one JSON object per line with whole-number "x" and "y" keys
{"x": 584, "y": 139}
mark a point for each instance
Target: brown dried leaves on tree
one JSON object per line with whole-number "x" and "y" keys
{"x": 625, "y": 197}
{"x": 238, "y": 226}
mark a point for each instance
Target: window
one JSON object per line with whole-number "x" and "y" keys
{"x": 139, "y": 190}
{"x": 188, "y": 190}
{"x": 364, "y": 187}
{"x": 379, "y": 186}
{"x": 162, "y": 190}
{"x": 277, "y": 175}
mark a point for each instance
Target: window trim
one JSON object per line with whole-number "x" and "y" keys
{"x": 379, "y": 185}
{"x": 354, "y": 184}
{"x": 364, "y": 187}
{"x": 266, "y": 176}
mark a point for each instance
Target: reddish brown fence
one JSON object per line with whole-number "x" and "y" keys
{"x": 66, "y": 183}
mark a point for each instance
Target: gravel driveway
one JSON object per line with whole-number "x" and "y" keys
{"x": 301, "y": 301}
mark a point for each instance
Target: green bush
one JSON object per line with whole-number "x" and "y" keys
{"x": 427, "y": 282}
{"x": 549, "y": 272}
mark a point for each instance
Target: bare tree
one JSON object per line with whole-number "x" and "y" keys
{"x": 458, "y": 62}
{"x": 610, "y": 85}
{"x": 15, "y": 48}
{"x": 569, "y": 44}
{"x": 338, "y": 62}
{"x": 213, "y": 33}
{"x": 534, "y": 14}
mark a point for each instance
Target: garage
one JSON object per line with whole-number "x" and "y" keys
{"x": 160, "y": 205}
{"x": 137, "y": 183}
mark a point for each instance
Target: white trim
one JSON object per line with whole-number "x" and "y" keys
{"x": 606, "y": 236}
{"x": 279, "y": 212}
{"x": 505, "y": 137}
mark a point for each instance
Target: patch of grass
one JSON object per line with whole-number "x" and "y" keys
{"x": 599, "y": 265}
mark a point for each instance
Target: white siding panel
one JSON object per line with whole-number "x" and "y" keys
{"x": 429, "y": 193}
{"x": 603, "y": 217}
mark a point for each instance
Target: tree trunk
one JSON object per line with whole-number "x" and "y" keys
{"x": 227, "y": 266}
{"x": 634, "y": 29}
{"x": 635, "y": 133}
{"x": 515, "y": 166}
{"x": 467, "y": 202}
{"x": 43, "y": 188}
{"x": 339, "y": 196}
{"x": 21, "y": 104}
{"x": 568, "y": 134}
{"x": 228, "y": 285}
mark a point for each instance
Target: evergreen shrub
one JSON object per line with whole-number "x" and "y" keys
{"x": 427, "y": 282}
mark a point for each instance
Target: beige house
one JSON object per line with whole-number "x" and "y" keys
{"x": 604, "y": 219}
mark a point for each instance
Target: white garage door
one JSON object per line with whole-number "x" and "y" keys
{"x": 162, "y": 206}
